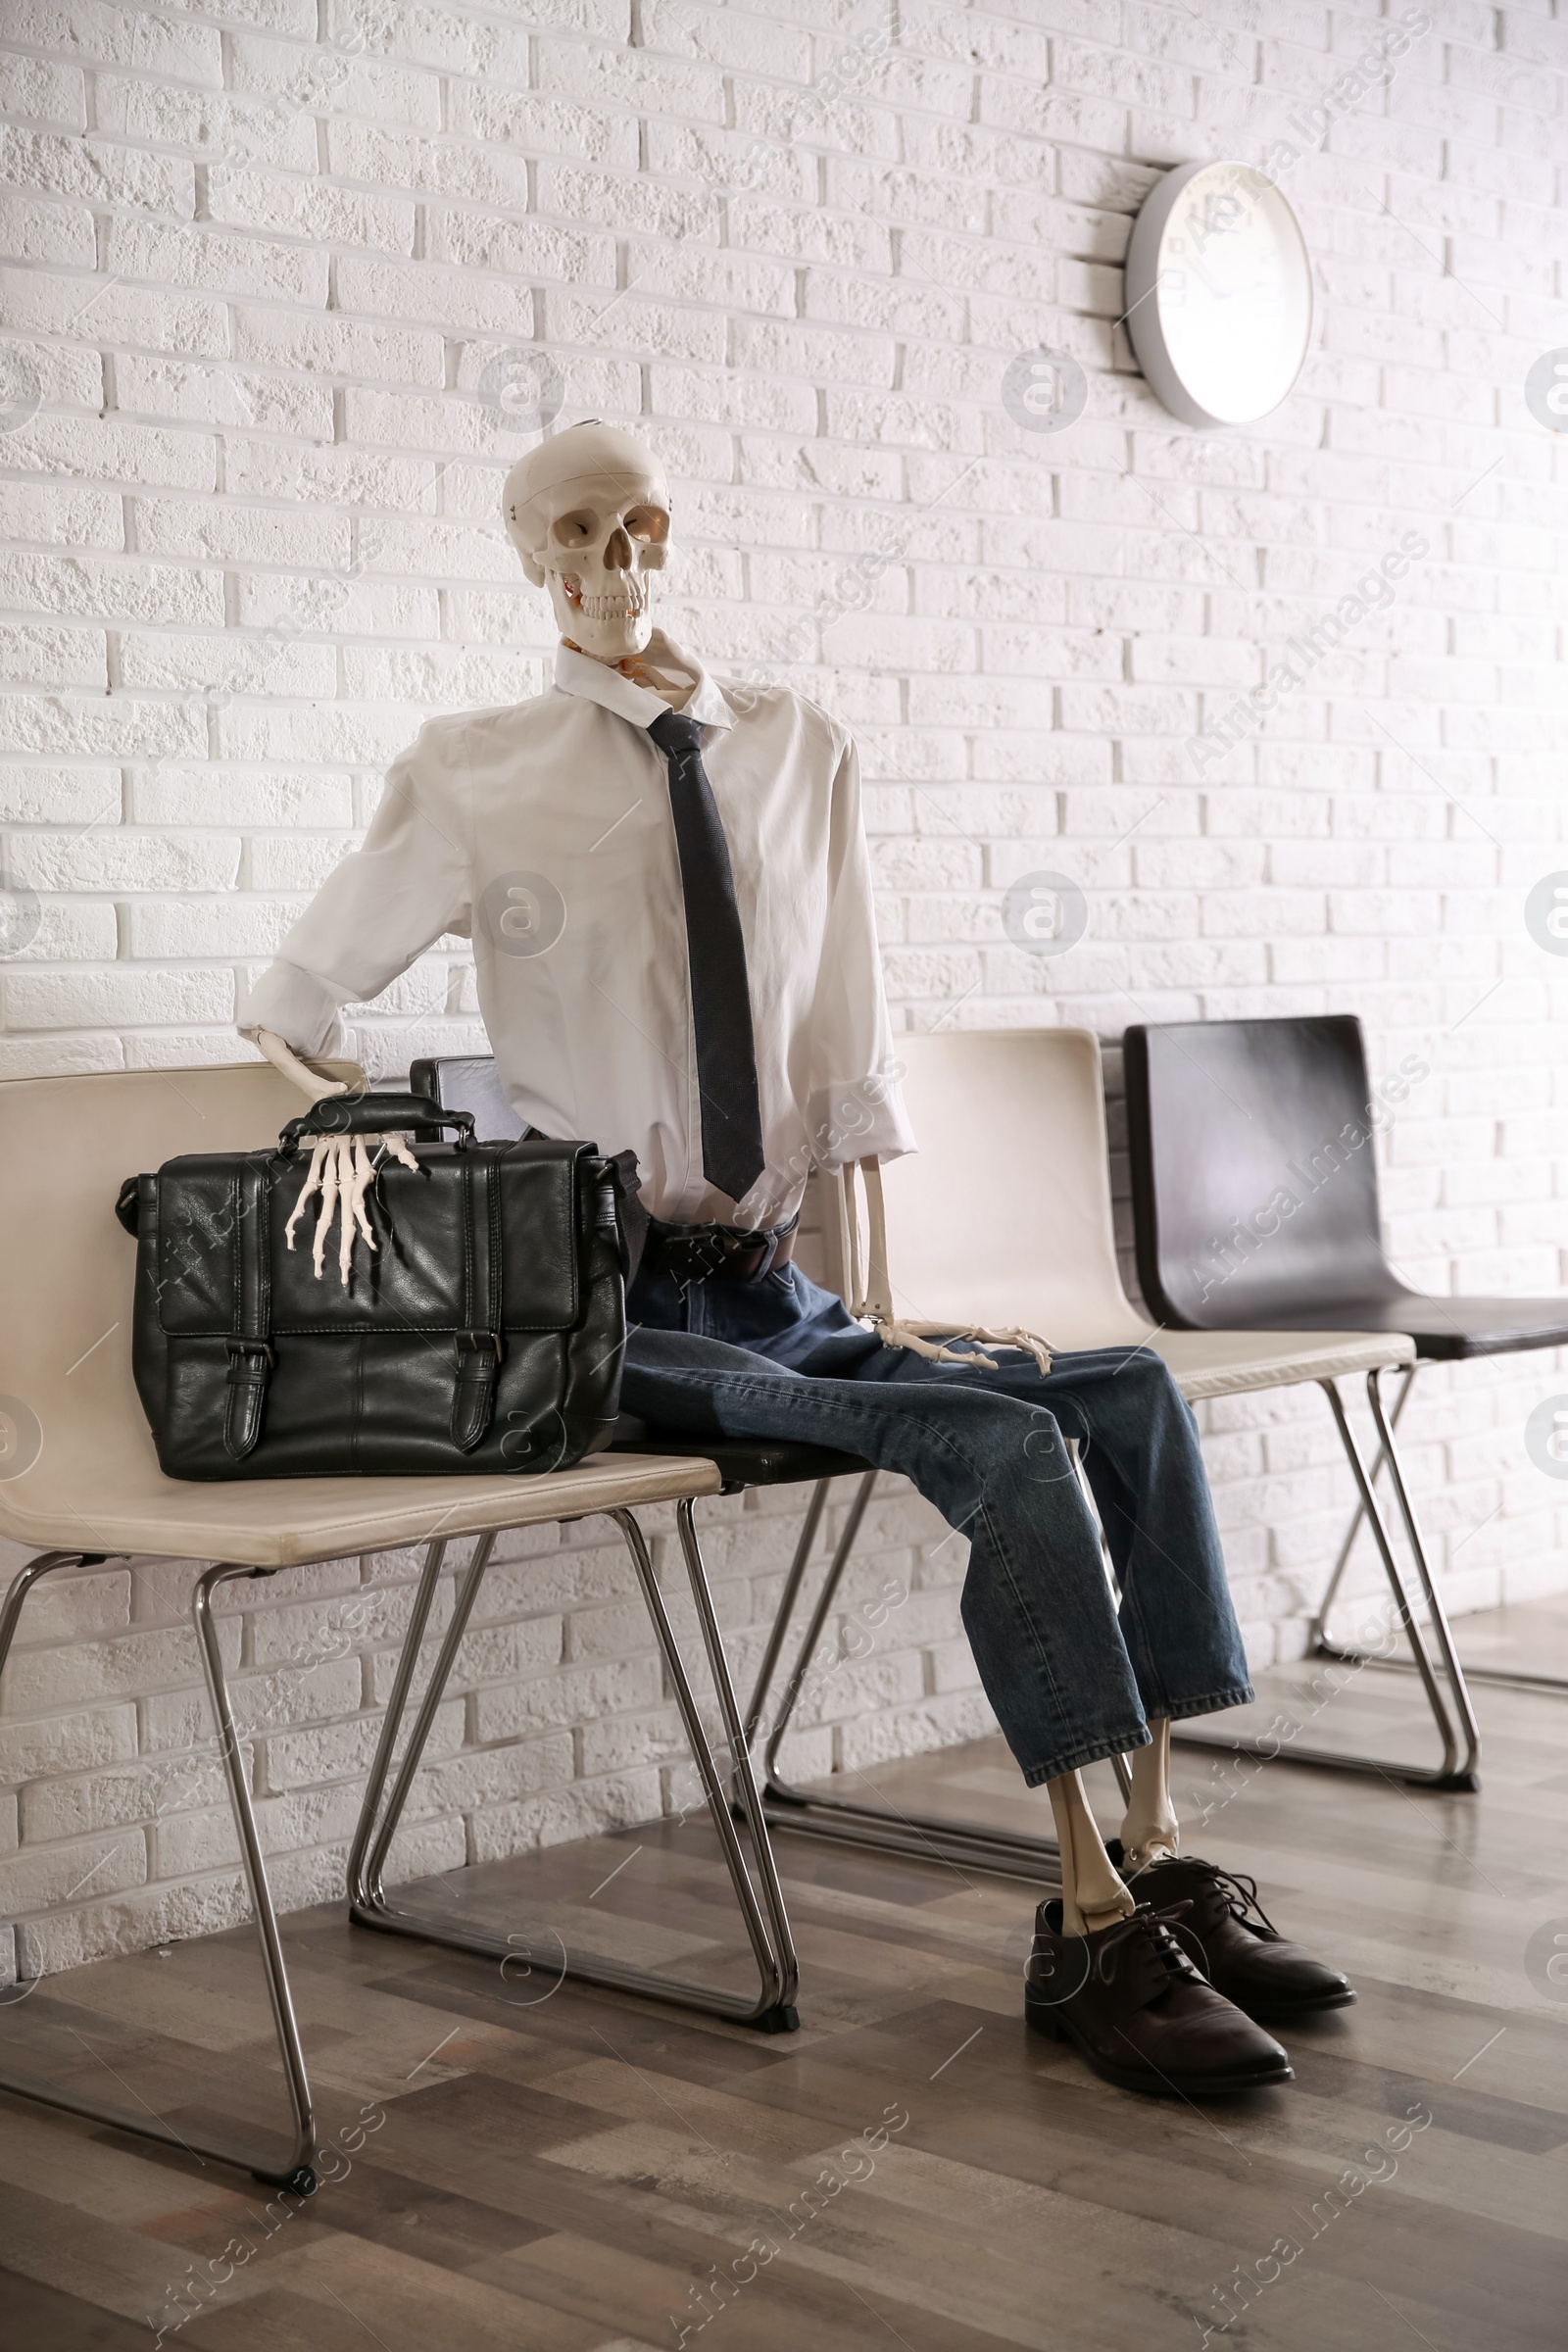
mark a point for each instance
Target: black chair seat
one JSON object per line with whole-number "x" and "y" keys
{"x": 470, "y": 1083}
{"x": 747, "y": 1461}
{"x": 1444, "y": 1329}
{"x": 1256, "y": 1191}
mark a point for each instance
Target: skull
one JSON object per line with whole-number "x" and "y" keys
{"x": 588, "y": 512}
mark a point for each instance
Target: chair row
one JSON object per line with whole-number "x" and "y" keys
{"x": 1003, "y": 1218}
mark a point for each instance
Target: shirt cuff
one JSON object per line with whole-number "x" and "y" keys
{"x": 858, "y": 1118}
{"x": 297, "y": 1007}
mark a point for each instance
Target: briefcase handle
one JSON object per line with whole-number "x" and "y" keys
{"x": 371, "y": 1114}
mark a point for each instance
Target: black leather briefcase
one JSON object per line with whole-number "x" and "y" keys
{"x": 484, "y": 1332}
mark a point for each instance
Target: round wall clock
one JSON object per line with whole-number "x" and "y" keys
{"x": 1219, "y": 293}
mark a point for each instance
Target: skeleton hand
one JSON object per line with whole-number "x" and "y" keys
{"x": 342, "y": 1171}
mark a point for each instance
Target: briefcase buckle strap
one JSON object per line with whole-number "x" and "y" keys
{"x": 477, "y": 1356}
{"x": 239, "y": 1350}
{"x": 250, "y": 1368}
{"x": 466, "y": 1342}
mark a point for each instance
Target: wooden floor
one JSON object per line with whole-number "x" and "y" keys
{"x": 557, "y": 2168}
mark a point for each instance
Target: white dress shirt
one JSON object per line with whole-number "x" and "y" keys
{"x": 543, "y": 831}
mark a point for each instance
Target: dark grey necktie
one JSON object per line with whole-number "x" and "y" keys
{"x": 721, "y": 1003}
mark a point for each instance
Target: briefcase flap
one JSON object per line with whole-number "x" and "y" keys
{"x": 443, "y": 1233}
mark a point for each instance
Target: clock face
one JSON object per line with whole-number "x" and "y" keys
{"x": 1219, "y": 293}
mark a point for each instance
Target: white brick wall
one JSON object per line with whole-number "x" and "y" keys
{"x": 259, "y": 258}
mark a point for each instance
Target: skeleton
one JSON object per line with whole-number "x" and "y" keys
{"x": 588, "y": 512}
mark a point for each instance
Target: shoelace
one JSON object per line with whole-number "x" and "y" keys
{"x": 1240, "y": 1893}
{"x": 1143, "y": 1940}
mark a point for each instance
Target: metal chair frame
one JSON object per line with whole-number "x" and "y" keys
{"x": 1324, "y": 1645}
{"x": 772, "y": 2008}
{"x": 920, "y": 1837}
{"x": 767, "y": 1924}
{"x": 297, "y": 2173}
{"x": 1459, "y": 1769}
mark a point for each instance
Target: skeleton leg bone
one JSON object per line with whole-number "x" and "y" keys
{"x": 1150, "y": 1827}
{"x": 1093, "y": 1896}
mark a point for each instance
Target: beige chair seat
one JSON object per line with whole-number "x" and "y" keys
{"x": 283, "y": 1522}
{"x": 1204, "y": 1363}
{"x": 66, "y": 1273}
{"x": 1231, "y": 1364}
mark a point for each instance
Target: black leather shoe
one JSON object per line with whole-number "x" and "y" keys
{"x": 1236, "y": 1944}
{"x": 1132, "y": 2006}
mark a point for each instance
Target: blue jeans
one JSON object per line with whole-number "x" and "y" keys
{"x": 1070, "y": 1680}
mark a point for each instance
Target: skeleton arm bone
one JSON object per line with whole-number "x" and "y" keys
{"x": 374, "y": 916}
{"x": 284, "y": 1059}
{"x": 873, "y": 1293}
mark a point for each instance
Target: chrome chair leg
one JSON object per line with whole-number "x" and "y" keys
{"x": 1505, "y": 1678}
{"x": 837, "y": 1820}
{"x": 1319, "y": 1635}
{"x": 1468, "y": 1775}
{"x": 1454, "y": 1772}
{"x": 776, "y": 1966}
{"x": 772, "y": 2006}
{"x": 744, "y": 1779}
{"x": 824, "y": 1601}
{"x": 364, "y": 1884}
{"x": 296, "y": 2173}
{"x": 368, "y": 1867}
{"x": 786, "y": 1607}
{"x": 301, "y": 2175}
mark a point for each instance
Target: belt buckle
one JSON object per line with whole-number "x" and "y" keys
{"x": 754, "y": 1248}
{"x": 694, "y": 1256}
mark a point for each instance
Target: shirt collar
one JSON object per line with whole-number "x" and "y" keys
{"x": 579, "y": 673}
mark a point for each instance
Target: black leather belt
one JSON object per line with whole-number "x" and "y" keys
{"x": 723, "y": 1252}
